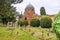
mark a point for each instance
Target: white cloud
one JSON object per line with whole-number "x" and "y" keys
{"x": 51, "y": 6}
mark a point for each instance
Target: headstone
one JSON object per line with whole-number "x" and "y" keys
{"x": 9, "y": 25}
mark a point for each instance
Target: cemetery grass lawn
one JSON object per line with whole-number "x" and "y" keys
{"x": 52, "y": 36}
{"x": 18, "y": 34}
{"x": 6, "y": 34}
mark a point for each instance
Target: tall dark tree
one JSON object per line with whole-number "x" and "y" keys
{"x": 7, "y": 12}
{"x": 42, "y": 11}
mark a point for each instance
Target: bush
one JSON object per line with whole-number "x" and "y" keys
{"x": 20, "y": 23}
{"x": 35, "y": 22}
{"x": 45, "y": 22}
{"x": 25, "y": 22}
{"x": 56, "y": 25}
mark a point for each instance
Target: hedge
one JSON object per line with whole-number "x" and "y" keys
{"x": 45, "y": 22}
{"x": 35, "y": 22}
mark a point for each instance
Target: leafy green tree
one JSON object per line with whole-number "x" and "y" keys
{"x": 20, "y": 16}
{"x": 42, "y": 11}
{"x": 0, "y": 21}
{"x": 7, "y": 12}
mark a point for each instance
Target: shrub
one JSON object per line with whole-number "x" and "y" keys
{"x": 45, "y": 22}
{"x": 20, "y": 23}
{"x": 56, "y": 25}
{"x": 25, "y": 22}
{"x": 35, "y": 22}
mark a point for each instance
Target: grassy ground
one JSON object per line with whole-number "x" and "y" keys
{"x": 41, "y": 33}
{"x": 16, "y": 34}
{"x": 27, "y": 33}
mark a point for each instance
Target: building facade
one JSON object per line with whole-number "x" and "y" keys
{"x": 29, "y": 13}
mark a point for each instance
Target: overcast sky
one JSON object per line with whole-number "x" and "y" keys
{"x": 51, "y": 6}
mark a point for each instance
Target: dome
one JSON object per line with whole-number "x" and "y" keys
{"x": 29, "y": 6}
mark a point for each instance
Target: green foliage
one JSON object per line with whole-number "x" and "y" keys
{"x": 7, "y": 12}
{"x": 25, "y": 22}
{"x": 20, "y": 16}
{"x": 45, "y": 22}
{"x": 35, "y": 22}
{"x": 8, "y": 15}
{"x": 42, "y": 11}
{"x": 56, "y": 24}
{"x": 0, "y": 21}
{"x": 20, "y": 23}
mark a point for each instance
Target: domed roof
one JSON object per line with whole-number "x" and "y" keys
{"x": 29, "y": 6}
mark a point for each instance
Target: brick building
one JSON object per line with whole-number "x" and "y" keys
{"x": 29, "y": 13}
